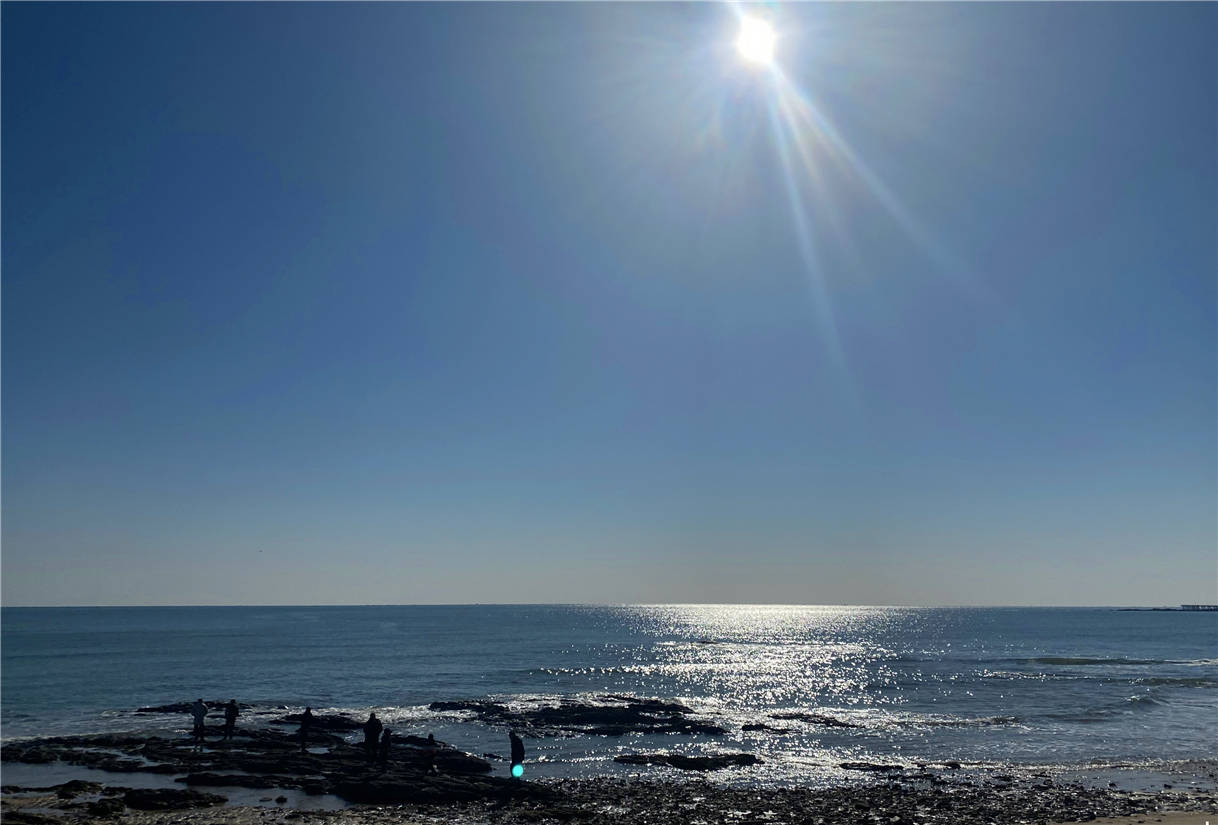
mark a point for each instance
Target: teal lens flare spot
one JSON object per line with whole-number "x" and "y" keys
{"x": 518, "y": 771}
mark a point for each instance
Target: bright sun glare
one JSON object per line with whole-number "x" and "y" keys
{"x": 756, "y": 41}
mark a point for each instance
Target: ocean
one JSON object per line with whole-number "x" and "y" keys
{"x": 1058, "y": 687}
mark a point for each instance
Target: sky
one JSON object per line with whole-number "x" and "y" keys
{"x": 456, "y": 303}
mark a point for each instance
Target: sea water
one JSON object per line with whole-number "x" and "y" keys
{"x": 1005, "y": 686}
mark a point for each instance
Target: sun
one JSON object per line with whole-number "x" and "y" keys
{"x": 755, "y": 43}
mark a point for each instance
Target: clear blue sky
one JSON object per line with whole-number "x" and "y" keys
{"x": 379, "y": 303}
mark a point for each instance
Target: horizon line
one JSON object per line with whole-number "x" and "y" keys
{"x": 593, "y": 604}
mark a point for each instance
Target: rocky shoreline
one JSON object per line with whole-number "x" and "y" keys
{"x": 422, "y": 782}
{"x": 603, "y": 801}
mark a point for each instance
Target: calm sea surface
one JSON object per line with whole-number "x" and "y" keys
{"x": 1016, "y": 685}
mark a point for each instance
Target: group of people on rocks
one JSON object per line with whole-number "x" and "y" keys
{"x": 376, "y": 740}
{"x": 377, "y": 737}
{"x": 199, "y": 711}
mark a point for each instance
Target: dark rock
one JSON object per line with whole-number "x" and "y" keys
{"x": 32, "y": 754}
{"x": 165, "y": 799}
{"x": 106, "y": 808}
{"x": 42, "y": 788}
{"x": 447, "y": 759}
{"x": 690, "y": 763}
{"x": 234, "y": 780}
{"x": 764, "y": 727}
{"x": 620, "y": 715}
{"x": 290, "y": 740}
{"x": 650, "y": 705}
{"x": 75, "y": 787}
{"x": 816, "y": 719}
{"x": 485, "y": 709}
{"x": 330, "y": 722}
{"x": 869, "y": 766}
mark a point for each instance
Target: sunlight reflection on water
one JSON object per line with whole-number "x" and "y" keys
{"x": 750, "y": 655}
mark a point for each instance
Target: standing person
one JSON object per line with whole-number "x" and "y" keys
{"x": 199, "y": 711}
{"x": 306, "y": 722}
{"x": 517, "y": 754}
{"x": 372, "y": 735}
{"x": 230, "y": 718}
{"x": 432, "y": 747}
{"x": 382, "y": 756}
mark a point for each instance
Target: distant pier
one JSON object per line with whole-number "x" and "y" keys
{"x": 1189, "y": 608}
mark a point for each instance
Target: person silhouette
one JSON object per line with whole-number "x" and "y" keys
{"x": 517, "y": 754}
{"x": 199, "y": 711}
{"x": 230, "y": 718}
{"x": 306, "y": 722}
{"x": 382, "y": 755}
{"x": 430, "y": 753}
{"x": 372, "y": 735}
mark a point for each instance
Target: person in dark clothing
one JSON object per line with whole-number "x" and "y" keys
{"x": 372, "y": 735}
{"x": 517, "y": 754}
{"x": 430, "y": 752}
{"x": 306, "y": 722}
{"x": 199, "y": 711}
{"x": 230, "y": 718}
{"x": 382, "y": 755}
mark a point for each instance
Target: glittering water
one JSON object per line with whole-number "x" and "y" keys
{"x": 1015, "y": 685}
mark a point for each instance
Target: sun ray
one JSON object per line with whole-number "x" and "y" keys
{"x": 807, "y": 249}
{"x": 807, "y": 120}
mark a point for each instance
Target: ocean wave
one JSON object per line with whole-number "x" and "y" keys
{"x": 958, "y": 722}
{"x": 1110, "y": 660}
{"x": 1141, "y": 681}
{"x": 1138, "y": 703}
{"x": 1090, "y": 660}
{"x": 1167, "y": 681}
{"x": 1035, "y": 676}
{"x": 877, "y": 719}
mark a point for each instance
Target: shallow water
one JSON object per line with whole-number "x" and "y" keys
{"x": 42, "y": 776}
{"x": 1062, "y": 687}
